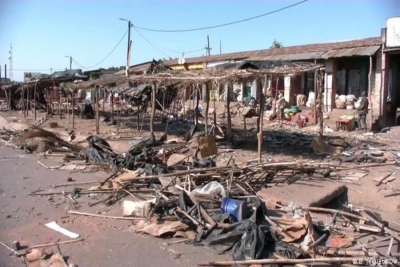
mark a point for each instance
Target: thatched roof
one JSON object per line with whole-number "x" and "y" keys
{"x": 222, "y": 75}
{"x": 226, "y": 74}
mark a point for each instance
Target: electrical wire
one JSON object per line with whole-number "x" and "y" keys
{"x": 224, "y": 24}
{"x": 115, "y": 47}
{"x": 187, "y": 52}
{"x": 141, "y": 35}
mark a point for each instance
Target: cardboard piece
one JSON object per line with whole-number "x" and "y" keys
{"x": 207, "y": 146}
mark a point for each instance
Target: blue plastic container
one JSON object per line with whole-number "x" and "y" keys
{"x": 232, "y": 207}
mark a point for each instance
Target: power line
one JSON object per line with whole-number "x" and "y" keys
{"x": 159, "y": 50}
{"x": 150, "y": 42}
{"x": 224, "y": 24}
{"x": 115, "y": 47}
{"x": 187, "y": 52}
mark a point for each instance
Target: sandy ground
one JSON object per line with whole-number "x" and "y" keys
{"x": 109, "y": 242}
{"x": 106, "y": 242}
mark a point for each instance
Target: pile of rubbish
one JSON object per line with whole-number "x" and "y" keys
{"x": 220, "y": 208}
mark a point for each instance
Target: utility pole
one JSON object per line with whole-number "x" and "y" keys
{"x": 11, "y": 65}
{"x": 51, "y": 71}
{"x": 208, "y": 48}
{"x": 70, "y": 62}
{"x": 128, "y": 53}
{"x": 220, "y": 47}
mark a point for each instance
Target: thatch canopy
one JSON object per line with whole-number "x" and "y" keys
{"x": 225, "y": 73}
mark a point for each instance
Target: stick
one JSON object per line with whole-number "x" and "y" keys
{"x": 383, "y": 178}
{"x": 105, "y": 216}
{"x": 14, "y": 251}
{"x": 76, "y": 183}
{"x": 281, "y": 261}
{"x": 386, "y": 229}
{"x": 56, "y": 243}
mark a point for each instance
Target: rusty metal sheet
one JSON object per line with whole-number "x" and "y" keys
{"x": 349, "y": 52}
{"x": 289, "y": 57}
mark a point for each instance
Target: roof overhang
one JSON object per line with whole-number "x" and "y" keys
{"x": 350, "y": 52}
{"x": 289, "y": 57}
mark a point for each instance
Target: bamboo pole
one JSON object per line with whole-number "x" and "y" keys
{"x": 215, "y": 115}
{"x": 56, "y": 243}
{"x": 105, "y": 216}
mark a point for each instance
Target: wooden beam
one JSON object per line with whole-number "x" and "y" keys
{"x": 196, "y": 115}
{"x": 73, "y": 108}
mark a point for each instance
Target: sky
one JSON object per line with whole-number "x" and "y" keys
{"x": 44, "y": 32}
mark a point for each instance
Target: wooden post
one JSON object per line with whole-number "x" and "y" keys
{"x": 112, "y": 107}
{"x": 23, "y": 100}
{"x": 34, "y": 100}
{"x": 320, "y": 112}
{"x": 59, "y": 104}
{"x": 207, "y": 96}
{"x": 96, "y": 100}
{"x": 9, "y": 100}
{"x": 73, "y": 109}
{"x": 153, "y": 108}
{"x": 260, "y": 133}
{"x": 370, "y": 91}
{"x": 228, "y": 112}
{"x": 29, "y": 101}
{"x": 196, "y": 113}
{"x": 215, "y": 115}
{"x": 104, "y": 96}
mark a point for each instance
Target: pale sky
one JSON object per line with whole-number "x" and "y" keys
{"x": 43, "y": 32}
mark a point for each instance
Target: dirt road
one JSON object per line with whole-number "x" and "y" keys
{"x": 106, "y": 242}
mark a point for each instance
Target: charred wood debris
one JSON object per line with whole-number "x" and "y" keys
{"x": 181, "y": 191}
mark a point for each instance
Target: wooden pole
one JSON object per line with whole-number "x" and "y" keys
{"x": 228, "y": 111}
{"x": 288, "y": 261}
{"x": 370, "y": 91}
{"x": 260, "y": 133}
{"x": 29, "y": 101}
{"x": 320, "y": 111}
{"x": 23, "y": 100}
{"x": 112, "y": 107}
{"x": 73, "y": 109}
{"x": 9, "y": 100}
{"x": 34, "y": 100}
{"x": 215, "y": 114}
{"x": 104, "y": 96}
{"x": 207, "y": 107}
{"x": 153, "y": 108}
{"x": 196, "y": 113}
{"x": 96, "y": 97}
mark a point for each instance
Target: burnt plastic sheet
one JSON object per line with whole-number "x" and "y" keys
{"x": 94, "y": 155}
{"x": 203, "y": 163}
{"x": 98, "y": 143}
{"x": 152, "y": 169}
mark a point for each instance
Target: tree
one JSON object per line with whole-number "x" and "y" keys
{"x": 276, "y": 44}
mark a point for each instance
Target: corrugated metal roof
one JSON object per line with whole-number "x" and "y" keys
{"x": 300, "y": 49}
{"x": 289, "y": 57}
{"x": 348, "y": 52}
